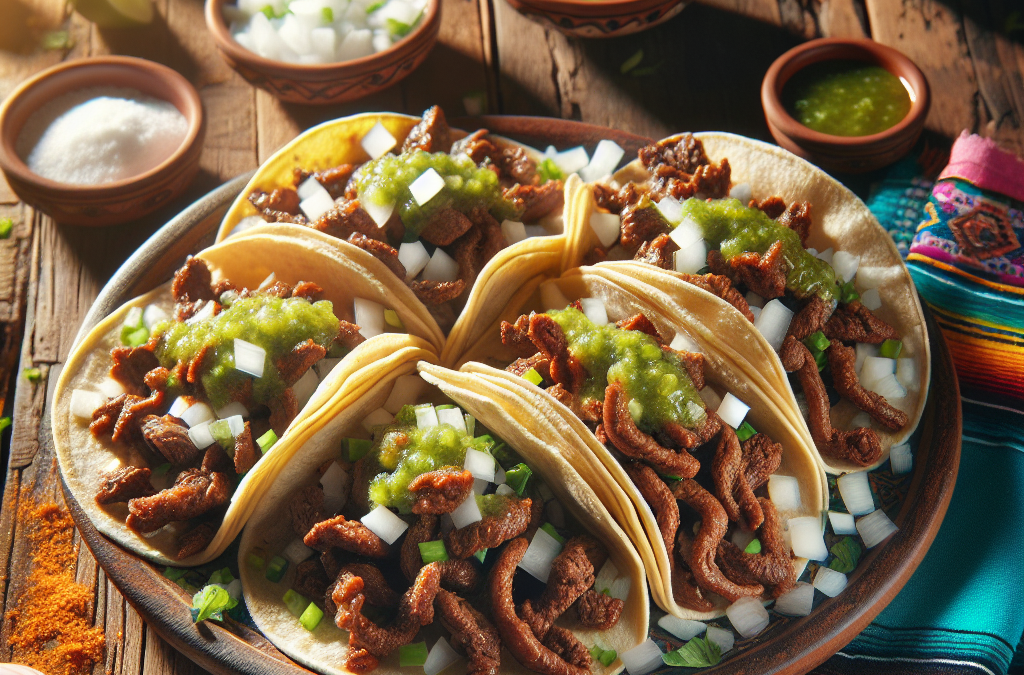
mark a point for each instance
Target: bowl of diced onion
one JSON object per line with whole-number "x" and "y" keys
{"x": 323, "y": 51}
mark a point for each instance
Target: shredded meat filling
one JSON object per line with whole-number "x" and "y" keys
{"x": 623, "y": 433}
{"x": 842, "y": 361}
{"x": 597, "y": 611}
{"x": 195, "y": 541}
{"x": 731, "y": 486}
{"x": 471, "y": 632}
{"x": 570, "y": 576}
{"x": 856, "y": 323}
{"x": 764, "y": 274}
{"x": 375, "y": 587}
{"x": 431, "y": 134}
{"x": 658, "y": 252}
{"x": 194, "y": 493}
{"x": 536, "y": 201}
{"x": 433, "y": 293}
{"x": 350, "y": 535}
{"x": 245, "y": 451}
{"x": 306, "y": 509}
{"x": 641, "y": 223}
{"x": 192, "y": 281}
{"x": 168, "y": 435}
{"x": 772, "y": 567}
{"x": 721, "y": 285}
{"x": 440, "y": 491}
{"x": 279, "y": 206}
{"x": 810, "y": 318}
{"x": 380, "y": 250}
{"x": 125, "y": 483}
{"x": 547, "y": 336}
{"x": 347, "y": 218}
{"x": 130, "y": 367}
{"x": 492, "y": 531}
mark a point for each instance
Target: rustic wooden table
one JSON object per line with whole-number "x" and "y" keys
{"x": 701, "y": 70}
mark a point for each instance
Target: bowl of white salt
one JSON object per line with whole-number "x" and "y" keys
{"x": 102, "y": 140}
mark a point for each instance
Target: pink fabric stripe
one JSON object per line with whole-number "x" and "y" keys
{"x": 982, "y": 163}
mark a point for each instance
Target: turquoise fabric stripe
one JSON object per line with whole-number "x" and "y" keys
{"x": 965, "y": 297}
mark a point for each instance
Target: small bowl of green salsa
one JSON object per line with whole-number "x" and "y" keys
{"x": 846, "y": 105}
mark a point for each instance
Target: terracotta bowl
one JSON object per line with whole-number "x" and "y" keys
{"x": 109, "y": 203}
{"x": 845, "y": 153}
{"x": 599, "y": 18}
{"x": 328, "y": 82}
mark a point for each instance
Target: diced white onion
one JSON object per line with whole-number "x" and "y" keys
{"x": 861, "y": 419}
{"x": 732, "y": 410}
{"x": 179, "y": 406}
{"x": 691, "y": 258}
{"x": 619, "y": 589}
{"x": 110, "y": 387}
{"x": 200, "y": 435}
{"x": 234, "y": 589}
{"x": 813, "y": 251}
{"x": 467, "y": 513}
{"x": 197, "y": 414}
{"x": 671, "y": 208}
{"x": 241, "y": 226}
{"x": 797, "y": 601}
{"x": 842, "y": 523}
{"x": 684, "y": 629}
{"x": 686, "y": 232}
{"x": 808, "y": 539}
{"x": 753, "y": 299}
{"x": 427, "y": 186}
{"x": 607, "y": 156}
{"x": 205, "y": 312}
{"x": 379, "y": 213}
{"x": 864, "y": 350}
{"x": 514, "y": 231}
{"x": 405, "y": 391}
{"x": 871, "y": 299}
{"x": 414, "y": 258}
{"x": 539, "y": 556}
{"x": 825, "y": 255}
{"x": 606, "y": 226}
{"x": 441, "y": 267}
{"x": 385, "y": 524}
{"x": 755, "y": 312}
{"x": 133, "y": 318}
{"x": 84, "y": 403}
{"x": 304, "y": 387}
{"x": 784, "y": 491}
{"x": 536, "y": 231}
{"x": 317, "y": 204}
{"x": 441, "y": 656}
{"x": 642, "y": 659}
{"x": 711, "y": 398}
{"x": 845, "y": 264}
{"x": 480, "y": 464}
{"x": 249, "y": 358}
{"x": 153, "y": 315}
{"x": 875, "y": 368}
{"x": 378, "y": 417}
{"x": 742, "y": 192}
{"x": 773, "y": 322}
{"x": 572, "y": 160}
{"x": 426, "y": 417}
{"x": 504, "y": 490}
{"x": 742, "y": 538}
{"x": 748, "y": 616}
{"x": 267, "y": 282}
{"x": 336, "y": 484}
{"x": 369, "y": 316}
{"x": 232, "y": 409}
{"x": 722, "y": 637}
{"x": 499, "y": 473}
{"x": 551, "y": 296}
{"x": 378, "y": 141}
{"x": 875, "y": 527}
{"x": 901, "y": 460}
{"x": 855, "y": 490}
{"x": 684, "y": 343}
{"x": 309, "y": 187}
{"x": 595, "y": 310}
{"x": 296, "y": 551}
{"x": 236, "y": 425}
{"x": 906, "y": 372}
{"x": 324, "y": 43}
{"x": 888, "y": 387}
{"x": 480, "y": 485}
{"x": 829, "y": 582}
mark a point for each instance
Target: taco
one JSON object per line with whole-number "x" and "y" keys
{"x": 416, "y": 517}
{"x": 658, "y": 414}
{"x": 172, "y": 416}
{"x": 786, "y": 247}
{"x": 443, "y": 210}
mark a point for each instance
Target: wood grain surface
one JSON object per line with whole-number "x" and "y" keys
{"x": 699, "y": 71}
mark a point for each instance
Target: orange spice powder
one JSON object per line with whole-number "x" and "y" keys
{"x": 51, "y": 627}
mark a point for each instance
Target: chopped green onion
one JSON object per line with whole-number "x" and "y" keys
{"x": 754, "y": 547}
{"x": 398, "y": 28}
{"x": 745, "y": 431}
{"x": 328, "y": 16}
{"x": 268, "y": 11}
{"x": 162, "y": 469}
{"x": 595, "y": 652}
{"x": 821, "y": 360}
{"x": 266, "y": 441}
{"x": 174, "y": 573}
{"x": 548, "y": 170}
{"x": 32, "y": 374}
{"x": 137, "y": 337}
{"x": 533, "y": 377}
{"x": 276, "y": 568}
{"x": 222, "y": 576}
{"x": 295, "y": 603}
{"x": 412, "y": 655}
{"x": 446, "y": 406}
{"x": 185, "y": 585}
{"x": 817, "y": 340}
{"x": 517, "y": 477}
{"x": 210, "y": 603}
{"x": 632, "y": 62}
{"x": 848, "y": 293}
{"x": 391, "y": 317}
{"x": 6, "y": 227}
{"x": 550, "y": 529}
{"x": 470, "y": 424}
{"x": 357, "y": 448}
{"x": 607, "y": 656}
{"x": 310, "y": 618}
{"x": 891, "y": 349}
{"x": 5, "y": 422}
{"x": 256, "y": 559}
{"x": 375, "y": 6}
{"x": 221, "y": 432}
{"x": 480, "y": 555}
{"x": 433, "y": 551}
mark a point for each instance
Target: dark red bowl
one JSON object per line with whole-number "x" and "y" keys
{"x": 851, "y": 154}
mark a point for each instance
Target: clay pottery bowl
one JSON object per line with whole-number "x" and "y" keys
{"x": 326, "y": 83}
{"x": 599, "y": 18}
{"x": 853, "y": 154}
{"x": 107, "y": 203}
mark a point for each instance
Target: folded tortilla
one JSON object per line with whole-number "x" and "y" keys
{"x": 246, "y": 261}
{"x": 324, "y": 649}
{"x": 842, "y": 222}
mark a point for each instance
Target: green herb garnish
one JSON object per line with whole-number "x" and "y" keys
{"x": 847, "y": 552}
{"x": 697, "y": 653}
{"x": 328, "y": 16}
{"x": 295, "y": 602}
{"x": 891, "y": 349}
{"x": 754, "y": 547}
{"x": 745, "y": 431}
{"x": 32, "y": 374}
{"x": 357, "y": 448}
{"x": 276, "y": 568}
{"x": 210, "y": 603}
{"x": 533, "y": 377}
{"x": 517, "y": 477}
{"x": 632, "y": 62}
{"x": 548, "y": 170}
